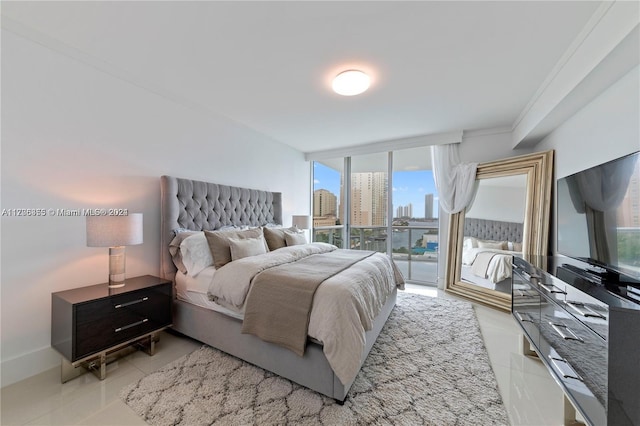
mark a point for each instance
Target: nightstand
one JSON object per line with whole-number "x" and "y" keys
{"x": 90, "y": 326}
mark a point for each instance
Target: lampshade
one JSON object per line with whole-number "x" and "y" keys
{"x": 113, "y": 231}
{"x": 301, "y": 221}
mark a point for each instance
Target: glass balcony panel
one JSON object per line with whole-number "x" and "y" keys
{"x": 415, "y": 248}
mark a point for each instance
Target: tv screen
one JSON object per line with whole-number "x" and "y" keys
{"x": 598, "y": 215}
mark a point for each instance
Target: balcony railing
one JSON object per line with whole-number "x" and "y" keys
{"x": 413, "y": 248}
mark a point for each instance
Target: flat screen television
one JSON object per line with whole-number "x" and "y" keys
{"x": 598, "y": 218}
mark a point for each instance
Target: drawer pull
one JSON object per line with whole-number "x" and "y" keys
{"x": 133, "y": 302}
{"x": 552, "y": 288}
{"x": 584, "y": 310}
{"x": 131, "y": 325}
{"x": 565, "y": 332}
{"x": 524, "y": 317}
{"x": 565, "y": 368}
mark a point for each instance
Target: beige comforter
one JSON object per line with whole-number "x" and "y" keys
{"x": 279, "y": 303}
{"x": 344, "y": 306}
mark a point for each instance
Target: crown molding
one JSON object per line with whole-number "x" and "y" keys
{"x": 387, "y": 145}
{"x": 486, "y": 132}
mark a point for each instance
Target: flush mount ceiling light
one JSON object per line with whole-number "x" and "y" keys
{"x": 350, "y": 82}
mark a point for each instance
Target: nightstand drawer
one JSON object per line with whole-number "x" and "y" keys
{"x": 108, "y": 322}
{"x": 94, "y": 336}
{"x": 144, "y": 302}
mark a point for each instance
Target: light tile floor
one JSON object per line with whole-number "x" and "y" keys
{"x": 529, "y": 393}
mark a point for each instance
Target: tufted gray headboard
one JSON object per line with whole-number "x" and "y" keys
{"x": 204, "y": 206}
{"x": 493, "y": 230}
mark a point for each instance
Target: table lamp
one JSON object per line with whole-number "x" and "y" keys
{"x": 301, "y": 221}
{"x": 115, "y": 232}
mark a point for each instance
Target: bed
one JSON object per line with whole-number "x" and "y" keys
{"x": 189, "y": 205}
{"x": 487, "y": 251}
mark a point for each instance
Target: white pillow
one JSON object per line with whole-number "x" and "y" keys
{"x": 246, "y": 247}
{"x": 196, "y": 254}
{"x": 494, "y": 245}
{"x": 469, "y": 243}
{"x": 294, "y": 238}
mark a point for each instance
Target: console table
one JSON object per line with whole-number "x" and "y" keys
{"x": 586, "y": 333}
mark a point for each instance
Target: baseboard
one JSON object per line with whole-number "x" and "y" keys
{"x": 19, "y": 368}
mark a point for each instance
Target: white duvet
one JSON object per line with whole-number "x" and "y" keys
{"x": 500, "y": 266}
{"x": 344, "y": 305}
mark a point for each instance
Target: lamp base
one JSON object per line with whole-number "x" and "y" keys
{"x": 116, "y": 266}
{"x": 116, "y": 284}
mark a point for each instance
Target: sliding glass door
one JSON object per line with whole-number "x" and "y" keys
{"x": 415, "y": 215}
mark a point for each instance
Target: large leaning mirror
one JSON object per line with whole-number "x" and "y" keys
{"x": 509, "y": 216}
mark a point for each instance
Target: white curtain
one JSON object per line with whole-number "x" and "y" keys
{"x": 455, "y": 181}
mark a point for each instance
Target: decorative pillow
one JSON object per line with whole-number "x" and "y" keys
{"x": 275, "y": 237}
{"x": 272, "y": 225}
{"x": 196, "y": 254}
{"x": 495, "y": 245}
{"x": 517, "y": 247}
{"x": 220, "y": 247}
{"x": 174, "y": 247}
{"x": 246, "y": 247}
{"x": 469, "y": 243}
{"x": 294, "y": 238}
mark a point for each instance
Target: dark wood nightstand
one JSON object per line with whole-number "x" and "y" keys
{"x": 91, "y": 325}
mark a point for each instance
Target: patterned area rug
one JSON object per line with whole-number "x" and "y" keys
{"x": 428, "y": 366}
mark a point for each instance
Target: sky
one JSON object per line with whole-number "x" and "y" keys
{"x": 408, "y": 187}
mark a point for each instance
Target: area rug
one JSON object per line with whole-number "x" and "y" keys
{"x": 428, "y": 366}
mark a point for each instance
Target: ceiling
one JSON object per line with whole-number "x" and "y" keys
{"x": 436, "y": 66}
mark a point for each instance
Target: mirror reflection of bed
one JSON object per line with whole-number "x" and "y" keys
{"x": 493, "y": 232}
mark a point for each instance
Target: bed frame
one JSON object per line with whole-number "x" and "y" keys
{"x": 495, "y": 230}
{"x": 200, "y": 206}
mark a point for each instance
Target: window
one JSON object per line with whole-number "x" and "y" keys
{"x": 327, "y": 201}
{"x": 385, "y": 202}
{"x": 369, "y": 185}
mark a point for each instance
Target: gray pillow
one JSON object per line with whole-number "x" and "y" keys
{"x": 274, "y": 238}
{"x": 294, "y": 238}
{"x": 246, "y": 247}
{"x": 220, "y": 246}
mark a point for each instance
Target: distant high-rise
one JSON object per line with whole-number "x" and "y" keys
{"x": 404, "y": 211}
{"x": 325, "y": 203}
{"x": 369, "y": 199}
{"x": 428, "y": 206}
{"x": 408, "y": 210}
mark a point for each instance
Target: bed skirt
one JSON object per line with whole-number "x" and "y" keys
{"x": 312, "y": 371}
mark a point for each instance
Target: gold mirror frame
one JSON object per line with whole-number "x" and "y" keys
{"x": 538, "y": 168}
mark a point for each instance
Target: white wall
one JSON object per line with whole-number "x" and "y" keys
{"x": 484, "y": 147}
{"x": 606, "y": 128}
{"x": 503, "y": 203}
{"x": 76, "y": 137}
